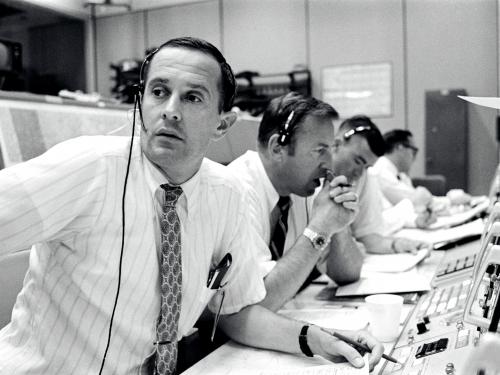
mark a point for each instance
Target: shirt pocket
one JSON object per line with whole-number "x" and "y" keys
{"x": 206, "y": 296}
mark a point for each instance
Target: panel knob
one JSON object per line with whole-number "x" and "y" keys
{"x": 421, "y": 328}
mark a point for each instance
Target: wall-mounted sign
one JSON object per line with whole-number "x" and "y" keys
{"x": 358, "y": 89}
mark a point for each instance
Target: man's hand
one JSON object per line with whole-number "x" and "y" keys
{"x": 422, "y": 197}
{"x": 425, "y": 218}
{"x": 406, "y": 245}
{"x": 335, "y": 206}
{"x": 458, "y": 196}
{"x": 335, "y": 350}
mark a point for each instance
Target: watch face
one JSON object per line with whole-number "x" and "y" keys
{"x": 320, "y": 241}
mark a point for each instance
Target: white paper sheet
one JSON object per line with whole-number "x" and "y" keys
{"x": 393, "y": 262}
{"x": 333, "y": 369}
{"x": 379, "y": 282}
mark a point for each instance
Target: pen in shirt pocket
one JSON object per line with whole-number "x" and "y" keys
{"x": 214, "y": 281}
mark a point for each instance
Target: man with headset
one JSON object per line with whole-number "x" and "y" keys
{"x": 125, "y": 234}
{"x": 294, "y": 152}
{"x": 358, "y": 145}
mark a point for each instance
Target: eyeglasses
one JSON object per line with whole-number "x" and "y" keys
{"x": 413, "y": 149}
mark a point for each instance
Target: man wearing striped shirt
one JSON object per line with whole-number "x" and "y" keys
{"x": 67, "y": 203}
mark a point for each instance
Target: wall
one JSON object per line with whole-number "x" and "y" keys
{"x": 272, "y": 34}
{"x": 359, "y": 31}
{"x": 432, "y": 44}
{"x": 119, "y": 37}
{"x": 463, "y": 56}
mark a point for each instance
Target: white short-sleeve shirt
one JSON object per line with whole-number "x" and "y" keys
{"x": 369, "y": 219}
{"x": 263, "y": 198}
{"x": 394, "y": 185}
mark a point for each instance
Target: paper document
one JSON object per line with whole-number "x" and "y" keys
{"x": 333, "y": 369}
{"x": 236, "y": 359}
{"x": 380, "y": 282}
{"x": 393, "y": 262}
{"x": 460, "y": 217}
{"x": 473, "y": 228}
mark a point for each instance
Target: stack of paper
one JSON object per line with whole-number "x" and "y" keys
{"x": 481, "y": 205}
{"x": 471, "y": 229}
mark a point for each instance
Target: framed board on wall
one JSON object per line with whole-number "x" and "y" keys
{"x": 358, "y": 89}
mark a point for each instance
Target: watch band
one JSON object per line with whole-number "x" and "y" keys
{"x": 303, "y": 342}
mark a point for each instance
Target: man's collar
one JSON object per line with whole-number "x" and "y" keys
{"x": 155, "y": 178}
{"x": 389, "y": 165}
{"x": 269, "y": 189}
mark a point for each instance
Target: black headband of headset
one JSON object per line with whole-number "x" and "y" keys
{"x": 145, "y": 63}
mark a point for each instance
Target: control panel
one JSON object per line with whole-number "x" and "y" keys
{"x": 435, "y": 339}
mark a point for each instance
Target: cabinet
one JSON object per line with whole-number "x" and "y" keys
{"x": 446, "y": 136}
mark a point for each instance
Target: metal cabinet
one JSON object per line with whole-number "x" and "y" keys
{"x": 446, "y": 136}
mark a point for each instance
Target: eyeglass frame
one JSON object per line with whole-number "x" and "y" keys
{"x": 413, "y": 148}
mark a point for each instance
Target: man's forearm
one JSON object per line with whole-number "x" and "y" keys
{"x": 377, "y": 244}
{"x": 345, "y": 259}
{"x": 258, "y": 327}
{"x": 289, "y": 273}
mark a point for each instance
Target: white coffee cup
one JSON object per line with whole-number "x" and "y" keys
{"x": 384, "y": 311}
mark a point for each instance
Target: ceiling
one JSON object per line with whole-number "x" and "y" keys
{"x": 41, "y": 9}
{"x": 16, "y": 15}
{"x": 23, "y": 14}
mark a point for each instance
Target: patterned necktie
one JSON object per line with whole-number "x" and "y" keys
{"x": 171, "y": 282}
{"x": 278, "y": 236}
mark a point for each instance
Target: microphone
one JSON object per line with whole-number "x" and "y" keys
{"x": 138, "y": 103}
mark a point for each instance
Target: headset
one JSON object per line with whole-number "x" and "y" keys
{"x": 139, "y": 91}
{"x": 358, "y": 129}
{"x": 140, "y": 87}
{"x": 285, "y": 131}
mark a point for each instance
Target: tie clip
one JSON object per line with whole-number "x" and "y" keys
{"x": 162, "y": 342}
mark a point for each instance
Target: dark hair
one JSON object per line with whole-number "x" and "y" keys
{"x": 396, "y": 137}
{"x": 228, "y": 83}
{"x": 278, "y": 112}
{"x": 364, "y": 127}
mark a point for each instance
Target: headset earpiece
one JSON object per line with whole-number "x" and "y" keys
{"x": 358, "y": 129}
{"x": 285, "y": 131}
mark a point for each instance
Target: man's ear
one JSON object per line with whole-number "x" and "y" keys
{"x": 275, "y": 150}
{"x": 227, "y": 119}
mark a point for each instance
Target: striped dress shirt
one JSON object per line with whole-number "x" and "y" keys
{"x": 66, "y": 204}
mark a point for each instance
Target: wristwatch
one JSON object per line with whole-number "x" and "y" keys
{"x": 319, "y": 240}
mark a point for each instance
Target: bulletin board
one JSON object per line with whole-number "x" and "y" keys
{"x": 358, "y": 89}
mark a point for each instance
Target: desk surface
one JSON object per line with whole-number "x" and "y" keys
{"x": 233, "y": 358}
